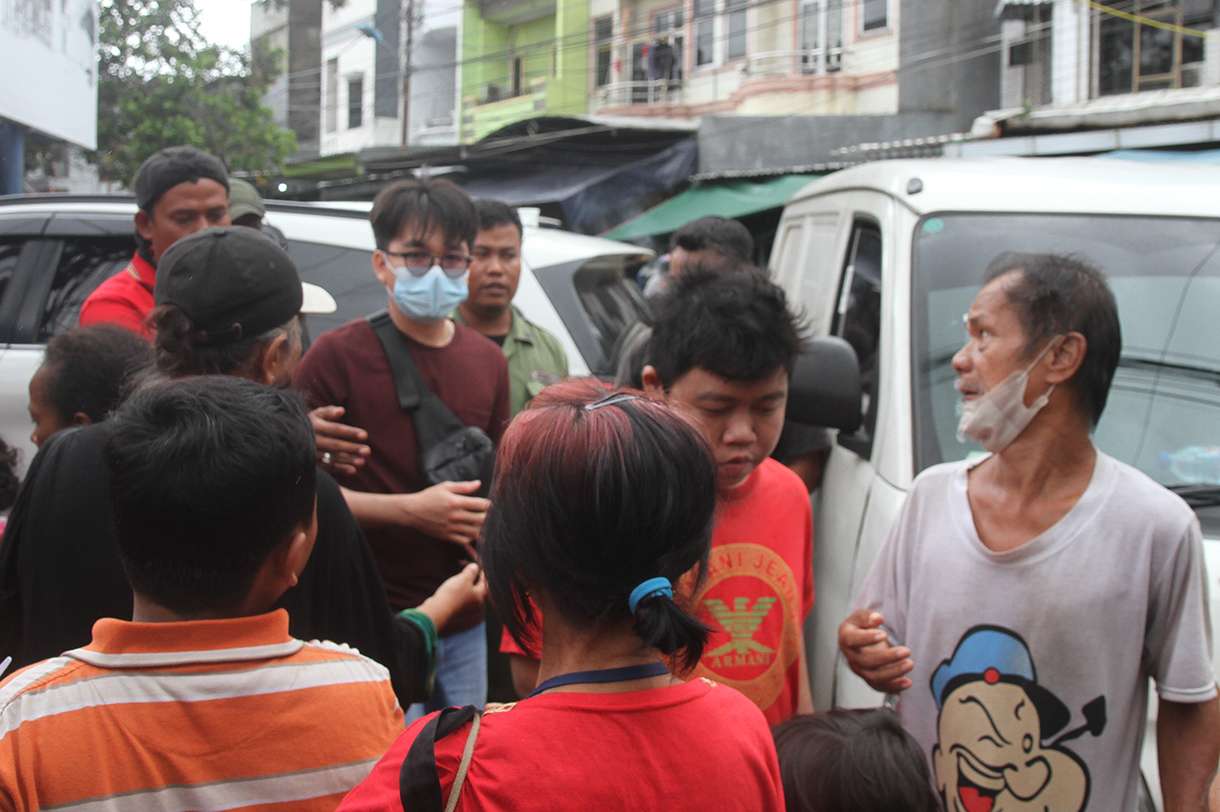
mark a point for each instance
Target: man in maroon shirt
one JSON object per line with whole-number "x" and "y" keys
{"x": 420, "y": 535}
{"x": 180, "y": 190}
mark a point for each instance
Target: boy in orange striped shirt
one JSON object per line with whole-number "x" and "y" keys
{"x": 203, "y": 701}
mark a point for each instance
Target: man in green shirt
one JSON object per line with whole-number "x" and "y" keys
{"x": 535, "y": 357}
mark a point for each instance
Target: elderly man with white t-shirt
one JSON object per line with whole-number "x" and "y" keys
{"x": 1022, "y": 601}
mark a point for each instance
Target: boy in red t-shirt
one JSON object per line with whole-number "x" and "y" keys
{"x": 722, "y": 347}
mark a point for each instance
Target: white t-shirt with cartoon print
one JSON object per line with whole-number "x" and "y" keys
{"x": 1032, "y": 665}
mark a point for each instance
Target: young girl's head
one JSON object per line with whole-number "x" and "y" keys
{"x": 597, "y": 493}
{"x": 852, "y": 761}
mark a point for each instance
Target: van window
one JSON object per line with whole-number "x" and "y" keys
{"x": 858, "y": 321}
{"x": 1165, "y": 274}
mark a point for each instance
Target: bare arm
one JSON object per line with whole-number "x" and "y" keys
{"x": 443, "y": 511}
{"x": 457, "y": 593}
{"x": 1188, "y": 749}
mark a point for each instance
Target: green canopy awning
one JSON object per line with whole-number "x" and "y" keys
{"x": 726, "y": 198}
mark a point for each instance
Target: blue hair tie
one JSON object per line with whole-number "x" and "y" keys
{"x": 650, "y": 588}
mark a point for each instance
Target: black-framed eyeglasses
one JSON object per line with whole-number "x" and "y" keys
{"x": 419, "y": 263}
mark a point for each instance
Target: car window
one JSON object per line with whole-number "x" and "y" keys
{"x": 858, "y": 322}
{"x": 597, "y": 303}
{"x": 9, "y": 252}
{"x": 345, "y": 273}
{"x": 84, "y": 263}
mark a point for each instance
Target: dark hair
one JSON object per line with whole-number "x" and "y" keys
{"x": 207, "y": 476}
{"x": 178, "y": 352}
{"x": 736, "y": 325}
{"x": 424, "y": 204}
{"x": 1057, "y": 294}
{"x": 727, "y": 237}
{"x": 9, "y": 481}
{"x": 90, "y": 369}
{"x": 494, "y": 213}
{"x": 588, "y": 503}
{"x": 852, "y": 761}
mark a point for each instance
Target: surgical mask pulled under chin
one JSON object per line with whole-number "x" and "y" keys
{"x": 999, "y": 415}
{"x": 430, "y": 297}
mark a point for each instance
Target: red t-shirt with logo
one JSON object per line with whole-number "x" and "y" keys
{"x": 694, "y": 746}
{"x": 124, "y": 299}
{"x": 758, "y": 591}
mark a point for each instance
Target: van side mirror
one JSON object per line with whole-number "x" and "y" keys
{"x": 824, "y": 388}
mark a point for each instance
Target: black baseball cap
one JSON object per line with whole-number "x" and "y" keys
{"x": 168, "y": 167}
{"x": 232, "y": 282}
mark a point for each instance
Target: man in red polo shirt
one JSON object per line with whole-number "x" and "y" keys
{"x": 180, "y": 190}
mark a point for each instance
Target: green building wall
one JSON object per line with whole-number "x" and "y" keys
{"x": 555, "y": 78}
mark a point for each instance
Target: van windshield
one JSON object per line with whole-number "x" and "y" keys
{"x": 1164, "y": 404}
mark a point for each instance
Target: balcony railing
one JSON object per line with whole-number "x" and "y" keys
{"x": 789, "y": 63}
{"x": 654, "y": 91}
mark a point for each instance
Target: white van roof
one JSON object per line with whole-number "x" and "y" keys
{"x": 1069, "y": 185}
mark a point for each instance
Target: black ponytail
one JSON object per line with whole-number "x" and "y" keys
{"x": 663, "y": 624}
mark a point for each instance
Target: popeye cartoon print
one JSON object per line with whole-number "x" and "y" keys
{"x": 995, "y": 721}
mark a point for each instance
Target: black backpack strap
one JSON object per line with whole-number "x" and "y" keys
{"x": 419, "y": 783}
{"x": 407, "y": 380}
{"x": 434, "y": 421}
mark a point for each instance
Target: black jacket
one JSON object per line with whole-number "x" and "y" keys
{"x": 60, "y": 570}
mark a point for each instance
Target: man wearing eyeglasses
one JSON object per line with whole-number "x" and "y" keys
{"x": 419, "y": 535}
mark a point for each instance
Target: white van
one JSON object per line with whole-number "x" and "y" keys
{"x": 888, "y": 255}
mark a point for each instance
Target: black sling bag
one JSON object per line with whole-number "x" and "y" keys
{"x": 449, "y": 451}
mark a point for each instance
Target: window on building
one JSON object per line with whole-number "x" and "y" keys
{"x": 518, "y": 75}
{"x": 705, "y": 21}
{"x": 735, "y": 18}
{"x": 1134, "y": 56}
{"x": 874, "y": 15}
{"x": 332, "y": 95}
{"x": 355, "y": 102}
{"x": 603, "y": 38}
{"x": 670, "y": 26}
{"x": 821, "y": 31}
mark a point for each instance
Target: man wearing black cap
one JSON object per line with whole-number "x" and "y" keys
{"x": 226, "y": 301}
{"x": 179, "y": 190}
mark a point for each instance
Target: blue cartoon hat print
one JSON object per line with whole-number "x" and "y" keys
{"x": 995, "y": 654}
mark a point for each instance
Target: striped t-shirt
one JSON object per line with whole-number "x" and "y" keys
{"x": 202, "y": 715}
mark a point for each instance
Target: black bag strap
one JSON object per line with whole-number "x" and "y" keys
{"x": 433, "y": 419}
{"x": 419, "y": 783}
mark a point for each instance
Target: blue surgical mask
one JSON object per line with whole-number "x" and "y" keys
{"x": 430, "y": 297}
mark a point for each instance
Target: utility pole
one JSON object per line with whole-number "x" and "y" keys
{"x": 408, "y": 40}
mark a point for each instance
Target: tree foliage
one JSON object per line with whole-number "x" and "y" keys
{"x": 160, "y": 83}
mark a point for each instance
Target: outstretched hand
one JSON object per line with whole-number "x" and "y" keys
{"x": 341, "y": 447}
{"x": 869, "y": 653}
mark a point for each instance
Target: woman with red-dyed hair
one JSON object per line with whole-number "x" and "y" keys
{"x": 602, "y": 502}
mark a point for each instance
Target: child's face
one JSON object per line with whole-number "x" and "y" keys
{"x": 741, "y": 420}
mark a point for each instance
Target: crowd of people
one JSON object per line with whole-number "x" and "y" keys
{"x": 236, "y": 569}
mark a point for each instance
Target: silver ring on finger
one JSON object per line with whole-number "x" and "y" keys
{"x": 326, "y": 458}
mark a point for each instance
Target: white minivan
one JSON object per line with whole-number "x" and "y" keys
{"x": 888, "y": 255}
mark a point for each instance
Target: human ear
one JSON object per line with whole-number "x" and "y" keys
{"x": 82, "y": 419}
{"x": 278, "y": 360}
{"x": 144, "y": 224}
{"x": 383, "y": 269}
{"x": 1066, "y": 357}
{"x": 652, "y": 382}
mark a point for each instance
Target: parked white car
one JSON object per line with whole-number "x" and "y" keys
{"x": 889, "y": 255}
{"x": 55, "y": 249}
